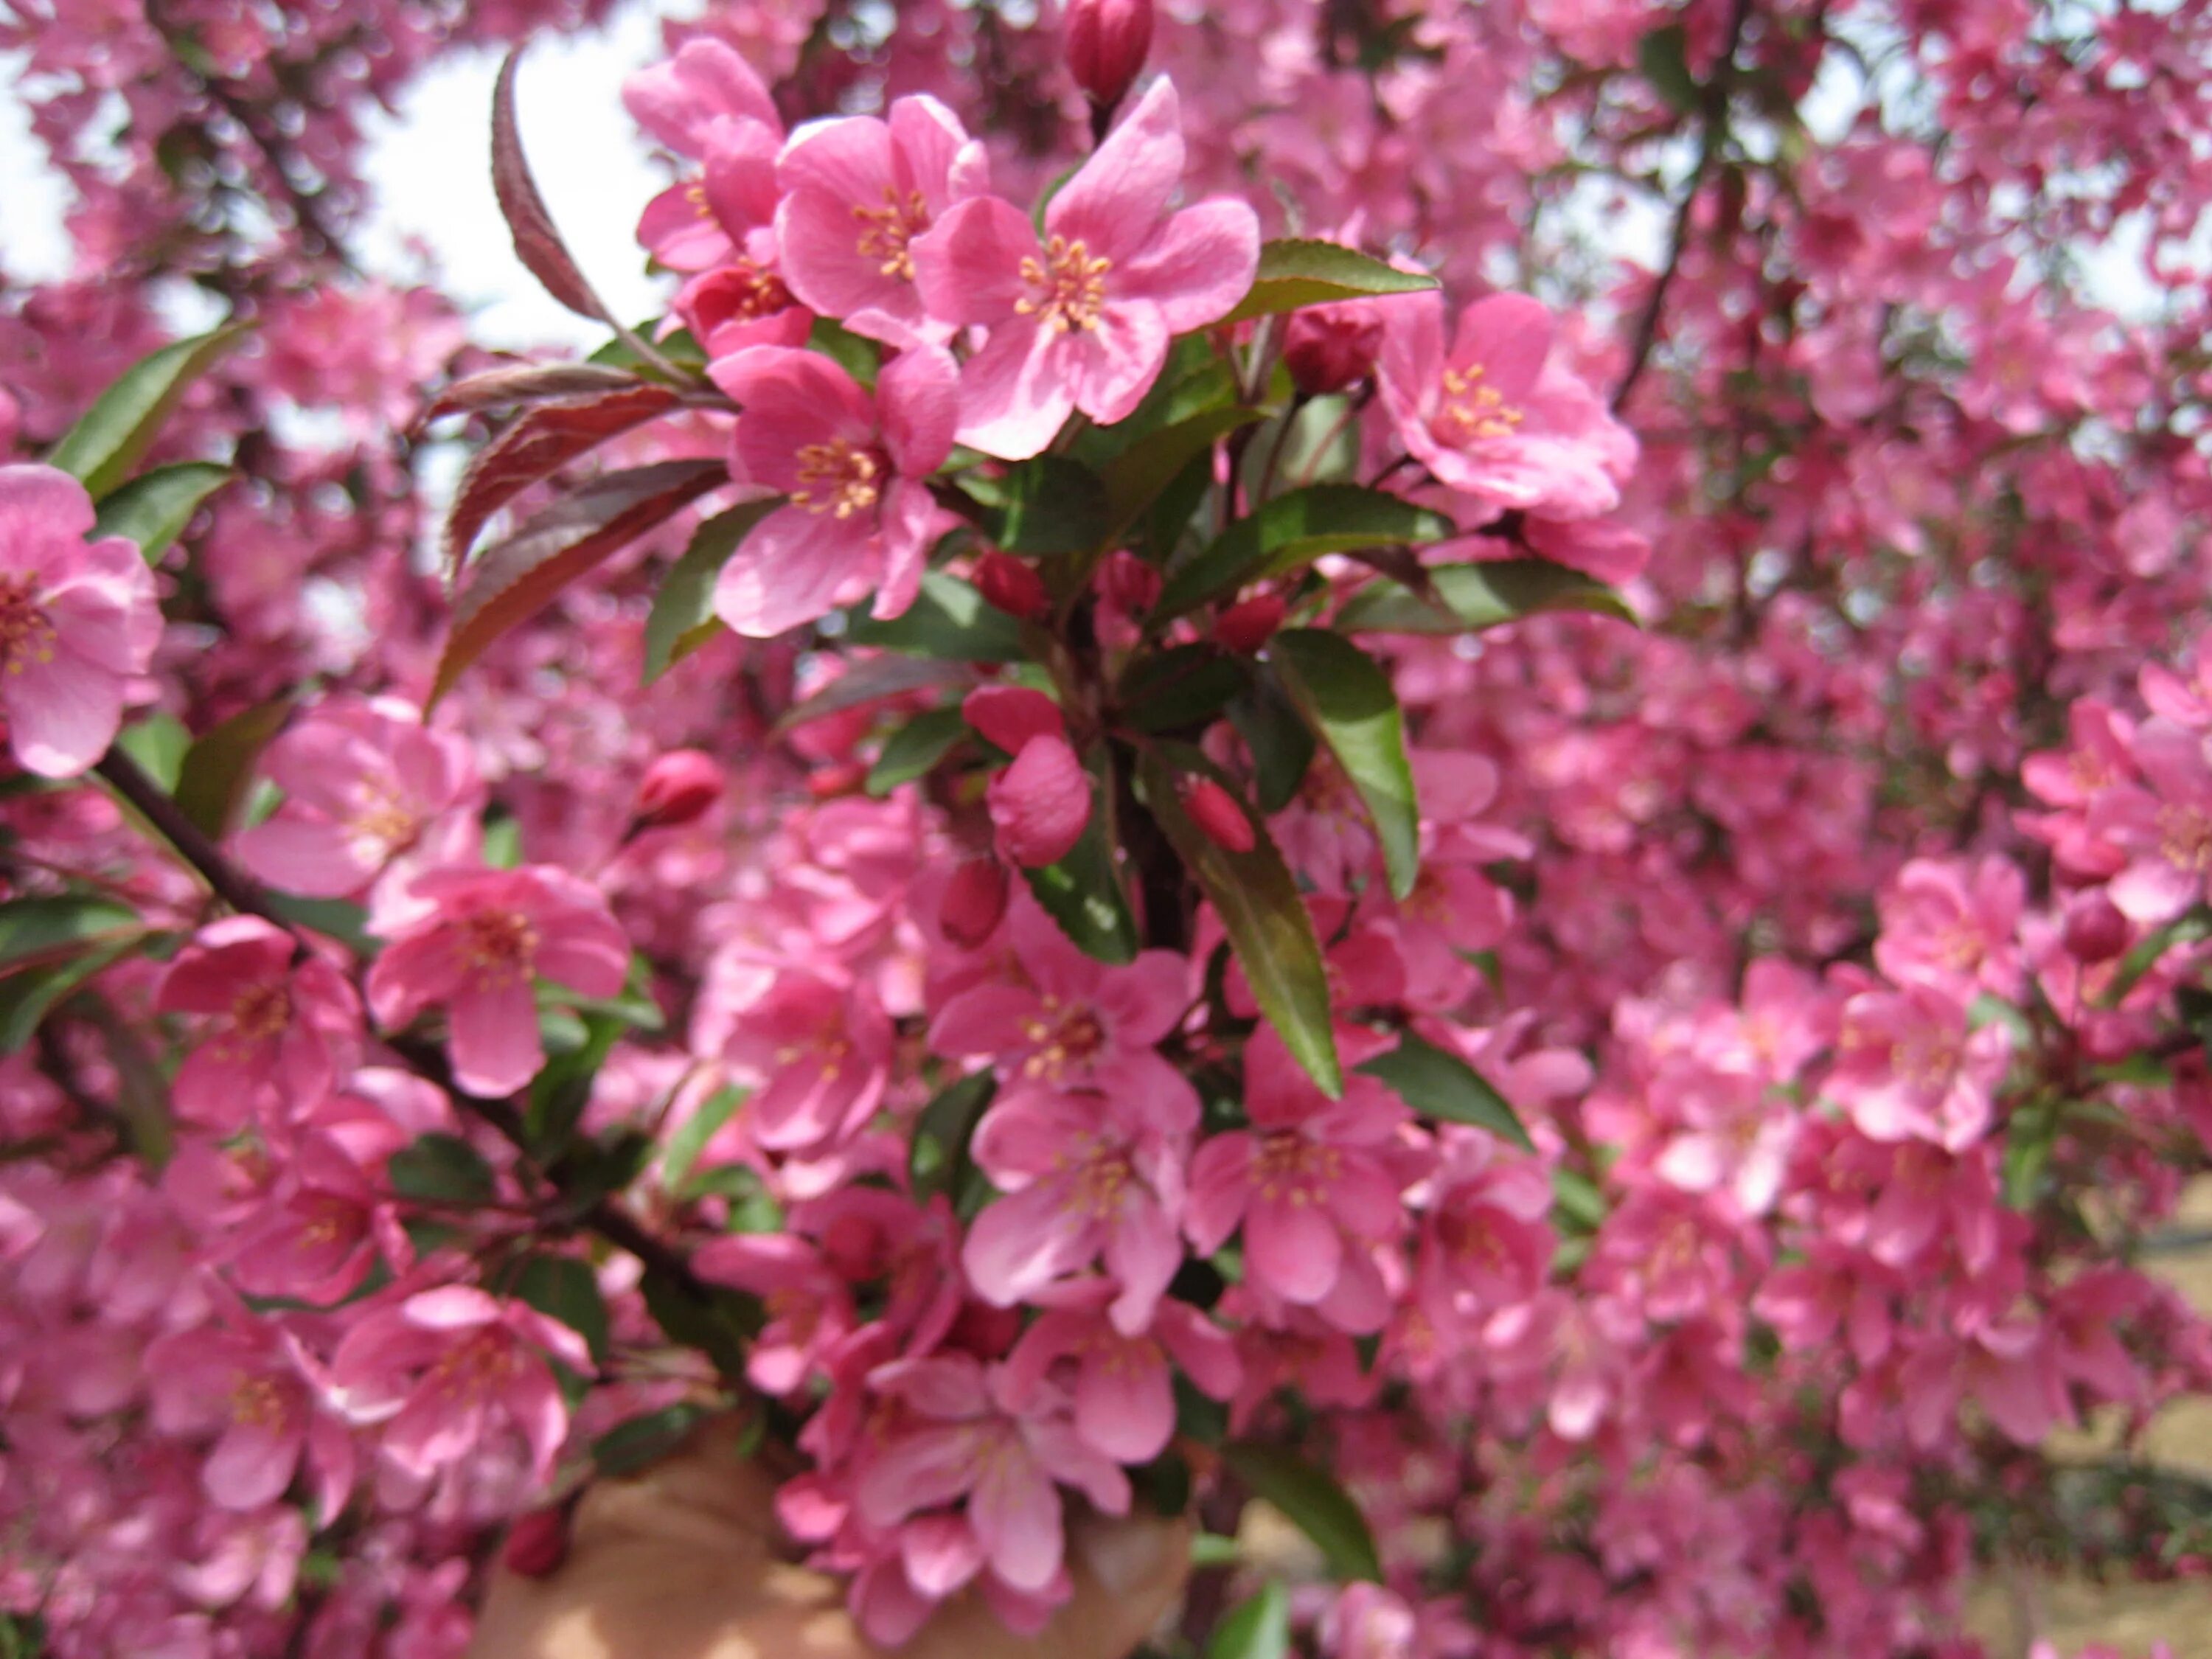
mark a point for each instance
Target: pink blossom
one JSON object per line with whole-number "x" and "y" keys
{"x": 1492, "y": 418}
{"x": 1041, "y": 804}
{"x": 1122, "y": 1388}
{"x": 1076, "y": 1023}
{"x": 1951, "y": 924}
{"x": 78, "y": 621}
{"x": 278, "y": 1028}
{"x": 852, "y": 467}
{"x": 443, "y": 1371}
{"x": 706, "y": 103}
{"x": 364, "y": 783}
{"x": 1909, "y": 1067}
{"x": 1308, "y": 1181}
{"x": 820, "y": 1047}
{"x": 972, "y": 1439}
{"x": 476, "y": 947}
{"x": 1087, "y": 1177}
{"x": 856, "y": 191}
{"x": 2163, "y": 826}
{"x": 809, "y": 1309}
{"x": 1081, "y": 318}
{"x": 251, "y": 1387}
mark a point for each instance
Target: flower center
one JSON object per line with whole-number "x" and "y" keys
{"x": 1095, "y": 1190}
{"x": 1475, "y": 410}
{"x": 838, "y": 478}
{"x": 2184, "y": 838}
{"x": 26, "y": 635}
{"x": 260, "y": 1012}
{"x": 886, "y": 230}
{"x": 1074, "y": 1041}
{"x": 1070, "y": 286}
{"x": 742, "y": 292}
{"x": 475, "y": 1370}
{"x": 498, "y": 946}
{"x": 380, "y": 816}
{"x": 256, "y": 1401}
{"x": 1292, "y": 1169}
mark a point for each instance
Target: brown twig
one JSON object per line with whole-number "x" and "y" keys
{"x": 1712, "y": 120}
{"x": 231, "y": 884}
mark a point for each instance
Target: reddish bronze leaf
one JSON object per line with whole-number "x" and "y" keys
{"x": 520, "y": 576}
{"x": 526, "y": 383}
{"x": 536, "y": 243}
{"x": 540, "y": 442}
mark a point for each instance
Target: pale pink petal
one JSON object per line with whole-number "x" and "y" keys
{"x": 315, "y": 859}
{"x": 919, "y": 393}
{"x": 1293, "y": 1250}
{"x": 1124, "y": 1404}
{"x": 968, "y": 265}
{"x": 788, "y": 571}
{"x": 1116, "y": 199}
{"x": 1144, "y": 1252}
{"x": 253, "y": 1463}
{"x": 1198, "y": 266}
{"x": 63, "y": 712}
{"x": 1508, "y": 335}
{"x": 1114, "y": 363}
{"x": 919, "y": 1471}
{"x": 1015, "y": 1510}
{"x": 1220, "y": 1187}
{"x": 1024, "y": 1241}
{"x": 39, "y": 505}
{"x": 940, "y": 1554}
{"x": 494, "y": 1042}
{"x": 680, "y": 100}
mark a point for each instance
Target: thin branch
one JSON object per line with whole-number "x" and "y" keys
{"x": 231, "y": 884}
{"x": 1712, "y": 121}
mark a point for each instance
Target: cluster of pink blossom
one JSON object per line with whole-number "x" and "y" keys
{"x": 1114, "y": 958}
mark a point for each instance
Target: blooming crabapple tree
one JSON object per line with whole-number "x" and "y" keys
{"x": 1174, "y": 802}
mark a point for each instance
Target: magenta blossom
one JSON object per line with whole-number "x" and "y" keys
{"x": 706, "y": 103}
{"x": 1041, "y": 804}
{"x": 972, "y": 1439}
{"x": 482, "y": 940}
{"x": 1121, "y": 1384}
{"x": 1909, "y": 1068}
{"x": 447, "y": 1369}
{"x": 1081, "y": 319}
{"x": 1077, "y": 1022}
{"x": 78, "y": 620}
{"x": 364, "y": 784}
{"x": 1490, "y": 417}
{"x": 249, "y": 1385}
{"x": 819, "y": 1047}
{"x": 278, "y": 1028}
{"x": 853, "y": 469}
{"x": 857, "y": 192}
{"x": 809, "y": 1309}
{"x": 1308, "y": 1181}
{"x": 1087, "y": 1176}
{"x": 2163, "y": 826}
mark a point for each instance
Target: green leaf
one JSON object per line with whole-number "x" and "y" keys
{"x": 857, "y": 355}
{"x": 1578, "y": 1200}
{"x": 948, "y": 620}
{"x": 1195, "y": 377}
{"x": 644, "y": 1441}
{"x": 938, "y": 1161}
{"x": 1663, "y": 58}
{"x": 442, "y": 1169}
{"x": 103, "y": 447}
{"x": 1263, "y": 915}
{"x": 682, "y": 616}
{"x": 1047, "y": 505}
{"x": 154, "y": 508}
{"x": 1295, "y": 272}
{"x": 1281, "y": 743}
{"x": 1083, "y": 893}
{"x": 688, "y": 1142}
{"x": 1184, "y": 685}
{"x": 1136, "y": 476}
{"x": 29, "y": 994}
{"x": 867, "y": 680}
{"x": 339, "y": 919}
{"x": 1348, "y": 701}
{"x": 212, "y": 781}
{"x": 559, "y": 1093}
{"x": 35, "y": 931}
{"x": 1311, "y": 1501}
{"x": 2191, "y": 927}
{"x": 1479, "y": 596}
{"x": 1437, "y": 1083}
{"x": 1256, "y": 1628}
{"x": 717, "y": 1321}
{"x": 563, "y": 1288}
{"x": 915, "y": 748}
{"x": 1296, "y": 528}
{"x": 159, "y": 744}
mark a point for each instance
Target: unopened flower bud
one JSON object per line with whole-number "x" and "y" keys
{"x": 537, "y": 1544}
{"x": 1041, "y": 803}
{"x": 1328, "y": 348}
{"x": 1245, "y": 627}
{"x": 2095, "y": 930}
{"x": 677, "y": 788}
{"x": 974, "y": 901}
{"x": 1107, "y": 41}
{"x": 1217, "y": 811}
{"x": 1009, "y": 715}
{"x": 1012, "y": 586}
{"x": 1129, "y": 582}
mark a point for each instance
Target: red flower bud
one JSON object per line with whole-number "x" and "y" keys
{"x": 677, "y": 788}
{"x": 1245, "y": 627}
{"x": 1218, "y": 812}
{"x": 1129, "y": 582}
{"x": 974, "y": 901}
{"x": 1012, "y": 586}
{"x": 1041, "y": 803}
{"x": 841, "y": 778}
{"x": 537, "y": 1544}
{"x": 2095, "y": 930}
{"x": 1328, "y": 348}
{"x": 1107, "y": 41}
